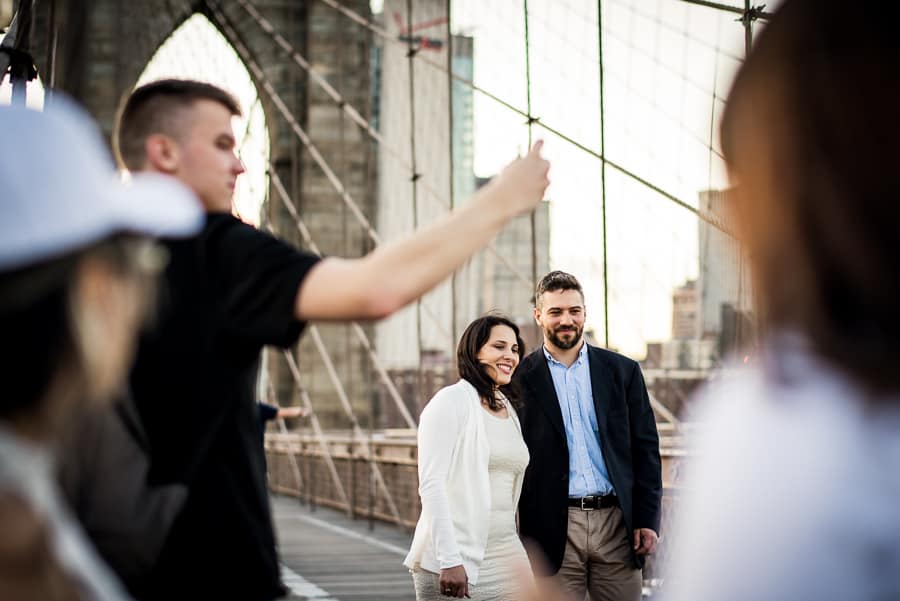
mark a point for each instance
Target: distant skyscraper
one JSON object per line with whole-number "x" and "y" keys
{"x": 724, "y": 288}
{"x": 721, "y": 267}
{"x": 685, "y": 311}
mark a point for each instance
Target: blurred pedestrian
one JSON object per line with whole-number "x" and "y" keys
{"x": 76, "y": 269}
{"x": 792, "y": 492}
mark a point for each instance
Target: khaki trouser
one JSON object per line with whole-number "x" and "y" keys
{"x": 598, "y": 557}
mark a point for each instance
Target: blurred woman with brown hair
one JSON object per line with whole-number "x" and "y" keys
{"x": 793, "y": 490}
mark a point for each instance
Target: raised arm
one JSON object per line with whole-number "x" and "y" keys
{"x": 397, "y": 273}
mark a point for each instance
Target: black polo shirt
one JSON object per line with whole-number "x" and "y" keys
{"x": 228, "y": 292}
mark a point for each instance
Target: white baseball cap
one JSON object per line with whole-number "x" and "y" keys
{"x": 60, "y": 191}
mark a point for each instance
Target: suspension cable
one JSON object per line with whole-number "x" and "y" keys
{"x": 411, "y": 52}
{"x": 532, "y": 217}
{"x": 348, "y": 410}
{"x": 603, "y": 174}
{"x": 454, "y": 327}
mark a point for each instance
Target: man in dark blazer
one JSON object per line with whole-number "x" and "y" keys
{"x": 592, "y": 491}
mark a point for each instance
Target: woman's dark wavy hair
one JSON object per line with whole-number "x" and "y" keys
{"x": 476, "y": 336}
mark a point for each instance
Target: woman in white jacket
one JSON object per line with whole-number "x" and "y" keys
{"x": 471, "y": 463}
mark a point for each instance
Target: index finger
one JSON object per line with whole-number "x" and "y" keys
{"x": 536, "y": 149}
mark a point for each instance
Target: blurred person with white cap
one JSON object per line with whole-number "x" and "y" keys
{"x": 76, "y": 269}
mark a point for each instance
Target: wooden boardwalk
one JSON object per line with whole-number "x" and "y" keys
{"x": 326, "y": 556}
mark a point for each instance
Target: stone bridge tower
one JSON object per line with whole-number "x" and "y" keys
{"x": 95, "y": 50}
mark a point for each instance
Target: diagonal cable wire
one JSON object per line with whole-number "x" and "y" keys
{"x": 357, "y": 329}
{"x": 348, "y": 410}
{"x": 351, "y": 415}
{"x": 317, "y": 429}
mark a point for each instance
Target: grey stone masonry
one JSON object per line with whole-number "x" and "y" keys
{"x": 103, "y": 46}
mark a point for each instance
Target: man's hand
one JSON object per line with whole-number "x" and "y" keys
{"x": 454, "y": 582}
{"x": 522, "y": 183}
{"x": 292, "y": 412}
{"x": 645, "y": 541}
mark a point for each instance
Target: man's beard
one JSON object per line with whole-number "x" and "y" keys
{"x": 561, "y": 343}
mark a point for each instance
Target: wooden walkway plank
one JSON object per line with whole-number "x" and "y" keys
{"x": 326, "y": 556}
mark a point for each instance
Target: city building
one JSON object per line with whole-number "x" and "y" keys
{"x": 685, "y": 311}
{"x": 724, "y": 277}
{"x": 416, "y": 102}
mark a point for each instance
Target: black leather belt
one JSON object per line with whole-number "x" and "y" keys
{"x": 593, "y": 502}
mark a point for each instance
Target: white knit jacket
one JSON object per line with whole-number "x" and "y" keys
{"x": 454, "y": 483}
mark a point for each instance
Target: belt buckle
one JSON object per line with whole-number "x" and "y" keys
{"x": 583, "y": 508}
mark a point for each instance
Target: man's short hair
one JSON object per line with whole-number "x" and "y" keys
{"x": 554, "y": 281}
{"x": 154, "y": 108}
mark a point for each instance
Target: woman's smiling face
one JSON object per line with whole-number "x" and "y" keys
{"x": 500, "y": 355}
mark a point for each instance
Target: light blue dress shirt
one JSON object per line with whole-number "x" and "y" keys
{"x": 587, "y": 469}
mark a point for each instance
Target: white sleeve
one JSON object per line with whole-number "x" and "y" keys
{"x": 439, "y": 429}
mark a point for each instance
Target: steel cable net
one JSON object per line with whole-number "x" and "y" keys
{"x": 383, "y": 118}
{"x": 403, "y": 111}
{"x": 669, "y": 268}
{"x": 628, "y": 96}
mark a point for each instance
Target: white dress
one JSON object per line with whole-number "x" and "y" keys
{"x": 498, "y": 580}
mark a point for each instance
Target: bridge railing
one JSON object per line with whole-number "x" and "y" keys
{"x": 309, "y": 478}
{"x": 297, "y": 467}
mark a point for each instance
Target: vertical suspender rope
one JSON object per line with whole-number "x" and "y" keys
{"x": 410, "y": 58}
{"x": 531, "y": 119}
{"x": 454, "y": 331}
{"x": 747, "y": 21}
{"x": 603, "y": 175}
{"x": 698, "y": 331}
